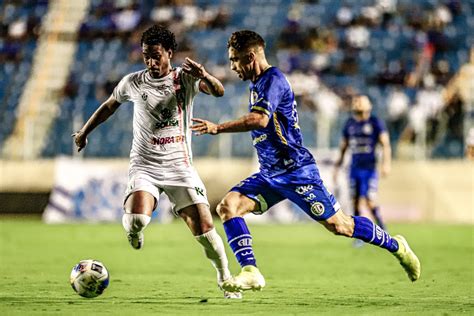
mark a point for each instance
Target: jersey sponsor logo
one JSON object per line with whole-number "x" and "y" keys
{"x": 167, "y": 120}
{"x": 199, "y": 191}
{"x": 259, "y": 139}
{"x": 245, "y": 242}
{"x": 144, "y": 96}
{"x": 167, "y": 140}
{"x": 304, "y": 189}
{"x": 168, "y": 123}
{"x": 317, "y": 208}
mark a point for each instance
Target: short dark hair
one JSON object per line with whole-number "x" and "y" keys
{"x": 158, "y": 34}
{"x": 245, "y": 39}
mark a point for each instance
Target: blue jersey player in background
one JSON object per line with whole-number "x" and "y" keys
{"x": 361, "y": 134}
{"x": 287, "y": 168}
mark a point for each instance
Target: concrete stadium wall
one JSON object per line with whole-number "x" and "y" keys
{"x": 433, "y": 191}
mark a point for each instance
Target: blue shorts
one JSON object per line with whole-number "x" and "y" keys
{"x": 364, "y": 183}
{"x": 302, "y": 186}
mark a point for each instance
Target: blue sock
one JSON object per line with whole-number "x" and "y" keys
{"x": 377, "y": 217}
{"x": 240, "y": 241}
{"x": 366, "y": 230}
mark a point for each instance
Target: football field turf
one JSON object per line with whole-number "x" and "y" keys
{"x": 308, "y": 271}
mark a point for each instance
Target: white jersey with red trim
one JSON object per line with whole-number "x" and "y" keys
{"x": 162, "y": 114}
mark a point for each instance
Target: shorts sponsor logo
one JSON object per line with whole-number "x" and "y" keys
{"x": 199, "y": 191}
{"x": 303, "y": 189}
{"x": 317, "y": 208}
{"x": 245, "y": 242}
{"x": 167, "y": 140}
{"x": 310, "y": 197}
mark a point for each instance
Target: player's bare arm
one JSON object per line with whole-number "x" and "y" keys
{"x": 104, "y": 111}
{"x": 384, "y": 140}
{"x": 209, "y": 84}
{"x": 251, "y": 121}
{"x": 342, "y": 149}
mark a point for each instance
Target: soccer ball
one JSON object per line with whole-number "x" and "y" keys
{"x": 89, "y": 278}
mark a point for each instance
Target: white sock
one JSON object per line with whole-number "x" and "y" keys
{"x": 215, "y": 252}
{"x": 135, "y": 223}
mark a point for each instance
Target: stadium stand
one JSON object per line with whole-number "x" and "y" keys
{"x": 401, "y": 53}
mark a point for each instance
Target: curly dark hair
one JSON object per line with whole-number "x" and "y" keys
{"x": 245, "y": 39}
{"x": 158, "y": 34}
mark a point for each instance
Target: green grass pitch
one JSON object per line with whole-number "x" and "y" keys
{"x": 308, "y": 271}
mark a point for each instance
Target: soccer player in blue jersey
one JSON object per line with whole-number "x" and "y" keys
{"x": 287, "y": 169}
{"x": 361, "y": 134}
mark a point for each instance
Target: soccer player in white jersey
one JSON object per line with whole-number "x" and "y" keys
{"x": 161, "y": 158}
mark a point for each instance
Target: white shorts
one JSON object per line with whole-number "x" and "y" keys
{"x": 189, "y": 191}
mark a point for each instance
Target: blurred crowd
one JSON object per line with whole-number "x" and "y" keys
{"x": 19, "y": 22}
{"x": 407, "y": 53}
{"x": 414, "y": 59}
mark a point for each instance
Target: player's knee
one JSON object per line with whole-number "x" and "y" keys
{"x": 224, "y": 210}
{"x": 135, "y": 222}
{"x": 206, "y": 226}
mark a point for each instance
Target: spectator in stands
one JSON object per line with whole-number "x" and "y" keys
{"x": 357, "y": 35}
{"x": 127, "y": 19}
{"x": 220, "y": 19}
{"x": 291, "y": 36}
{"x": 344, "y": 16}
{"x": 397, "y": 108}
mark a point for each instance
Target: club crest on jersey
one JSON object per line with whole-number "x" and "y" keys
{"x": 253, "y": 97}
{"x": 144, "y": 96}
{"x": 367, "y": 129}
{"x": 317, "y": 208}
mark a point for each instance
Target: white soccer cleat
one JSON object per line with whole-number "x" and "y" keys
{"x": 233, "y": 295}
{"x": 407, "y": 258}
{"x": 249, "y": 278}
{"x": 136, "y": 240}
{"x": 229, "y": 294}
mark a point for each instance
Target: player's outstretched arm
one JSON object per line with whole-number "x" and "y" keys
{"x": 209, "y": 84}
{"x": 248, "y": 122}
{"x": 104, "y": 111}
{"x": 342, "y": 151}
{"x": 384, "y": 140}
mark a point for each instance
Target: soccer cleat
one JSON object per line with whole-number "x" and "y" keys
{"x": 249, "y": 278}
{"x": 233, "y": 295}
{"x": 407, "y": 258}
{"x": 230, "y": 294}
{"x": 136, "y": 240}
